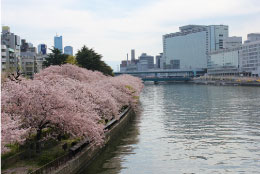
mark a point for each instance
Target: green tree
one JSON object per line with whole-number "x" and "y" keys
{"x": 89, "y": 59}
{"x": 55, "y": 58}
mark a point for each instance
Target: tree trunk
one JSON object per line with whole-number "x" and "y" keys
{"x": 38, "y": 138}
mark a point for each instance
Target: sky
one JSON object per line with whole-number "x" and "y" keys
{"x": 114, "y": 27}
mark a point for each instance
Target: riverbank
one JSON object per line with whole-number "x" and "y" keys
{"x": 78, "y": 156}
{"x": 61, "y": 103}
{"x": 228, "y": 80}
{"x": 91, "y": 151}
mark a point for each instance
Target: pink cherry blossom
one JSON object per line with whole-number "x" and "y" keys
{"x": 67, "y": 98}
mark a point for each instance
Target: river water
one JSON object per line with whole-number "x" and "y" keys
{"x": 184, "y": 128}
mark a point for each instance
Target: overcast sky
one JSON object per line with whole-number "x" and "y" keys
{"x": 114, "y": 27}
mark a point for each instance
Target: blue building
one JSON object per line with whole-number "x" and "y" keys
{"x": 42, "y": 49}
{"x": 68, "y": 50}
{"x": 58, "y": 43}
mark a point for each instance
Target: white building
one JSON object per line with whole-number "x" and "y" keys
{"x": 231, "y": 42}
{"x": 224, "y": 61}
{"x": 241, "y": 59}
{"x": 252, "y": 37}
{"x": 189, "y": 48}
{"x": 250, "y": 58}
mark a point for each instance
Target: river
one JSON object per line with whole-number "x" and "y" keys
{"x": 185, "y": 128}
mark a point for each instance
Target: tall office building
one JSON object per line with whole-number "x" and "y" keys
{"x": 132, "y": 55}
{"x": 189, "y": 48}
{"x": 68, "y": 50}
{"x": 58, "y": 43}
{"x": 42, "y": 49}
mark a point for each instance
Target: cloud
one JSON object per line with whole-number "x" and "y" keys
{"x": 113, "y": 27}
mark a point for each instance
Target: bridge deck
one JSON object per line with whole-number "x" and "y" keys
{"x": 158, "y": 79}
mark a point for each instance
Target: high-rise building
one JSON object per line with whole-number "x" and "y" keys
{"x": 68, "y": 50}
{"x": 58, "y": 43}
{"x": 189, "y": 48}
{"x": 42, "y": 49}
{"x": 132, "y": 55}
{"x": 10, "y": 50}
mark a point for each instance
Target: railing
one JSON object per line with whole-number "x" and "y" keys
{"x": 55, "y": 164}
{"x": 48, "y": 168}
{"x": 110, "y": 124}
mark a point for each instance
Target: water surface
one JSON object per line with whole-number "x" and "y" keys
{"x": 188, "y": 129}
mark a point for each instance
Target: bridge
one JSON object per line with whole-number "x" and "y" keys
{"x": 165, "y": 75}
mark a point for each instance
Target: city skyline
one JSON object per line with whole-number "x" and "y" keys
{"x": 122, "y": 26}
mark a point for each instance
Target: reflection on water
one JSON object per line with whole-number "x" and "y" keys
{"x": 112, "y": 156}
{"x": 189, "y": 129}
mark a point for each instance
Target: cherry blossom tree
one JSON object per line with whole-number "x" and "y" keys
{"x": 67, "y": 99}
{"x": 12, "y": 131}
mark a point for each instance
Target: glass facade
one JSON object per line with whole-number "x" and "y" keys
{"x": 42, "y": 48}
{"x": 68, "y": 50}
{"x": 58, "y": 43}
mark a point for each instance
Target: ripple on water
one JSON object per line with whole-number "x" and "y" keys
{"x": 191, "y": 129}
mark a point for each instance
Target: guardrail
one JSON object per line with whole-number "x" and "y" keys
{"x": 73, "y": 151}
